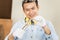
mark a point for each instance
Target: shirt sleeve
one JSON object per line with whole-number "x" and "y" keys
{"x": 53, "y": 35}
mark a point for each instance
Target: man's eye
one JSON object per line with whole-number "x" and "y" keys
{"x": 33, "y": 8}
{"x": 27, "y": 9}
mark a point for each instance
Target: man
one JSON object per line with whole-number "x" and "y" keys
{"x": 34, "y": 26}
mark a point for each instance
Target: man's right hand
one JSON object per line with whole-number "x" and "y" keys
{"x": 11, "y": 37}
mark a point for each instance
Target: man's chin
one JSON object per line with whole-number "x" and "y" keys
{"x": 31, "y": 17}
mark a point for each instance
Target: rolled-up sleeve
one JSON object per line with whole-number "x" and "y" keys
{"x": 53, "y": 35}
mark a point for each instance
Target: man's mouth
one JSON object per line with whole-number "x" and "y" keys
{"x": 31, "y": 15}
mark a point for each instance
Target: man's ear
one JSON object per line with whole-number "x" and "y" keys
{"x": 38, "y": 7}
{"x": 23, "y": 9}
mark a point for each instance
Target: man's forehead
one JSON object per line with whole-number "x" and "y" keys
{"x": 29, "y": 0}
{"x": 29, "y": 5}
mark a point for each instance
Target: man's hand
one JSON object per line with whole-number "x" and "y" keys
{"x": 47, "y": 30}
{"x": 11, "y": 37}
{"x": 41, "y": 22}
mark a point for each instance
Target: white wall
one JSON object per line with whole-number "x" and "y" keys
{"x": 49, "y": 9}
{"x": 17, "y": 12}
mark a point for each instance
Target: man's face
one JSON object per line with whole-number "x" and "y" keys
{"x": 30, "y": 9}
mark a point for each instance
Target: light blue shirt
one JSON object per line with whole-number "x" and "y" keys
{"x": 34, "y": 32}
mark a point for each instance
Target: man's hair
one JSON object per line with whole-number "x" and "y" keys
{"x": 29, "y": 1}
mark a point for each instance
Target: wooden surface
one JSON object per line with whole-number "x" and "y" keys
{"x": 1, "y": 32}
{"x": 5, "y": 25}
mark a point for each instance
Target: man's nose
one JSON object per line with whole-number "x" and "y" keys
{"x": 30, "y": 11}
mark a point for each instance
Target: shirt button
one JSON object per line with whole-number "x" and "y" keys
{"x": 32, "y": 30}
{"x": 40, "y": 29}
{"x": 31, "y": 36}
{"x": 48, "y": 37}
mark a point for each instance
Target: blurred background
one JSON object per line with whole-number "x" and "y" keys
{"x": 49, "y": 9}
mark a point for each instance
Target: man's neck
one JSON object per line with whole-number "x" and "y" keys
{"x": 34, "y": 16}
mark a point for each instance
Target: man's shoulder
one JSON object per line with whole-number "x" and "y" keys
{"x": 18, "y": 23}
{"x": 49, "y": 24}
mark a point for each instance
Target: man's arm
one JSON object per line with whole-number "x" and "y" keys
{"x": 11, "y": 31}
{"x": 53, "y": 35}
